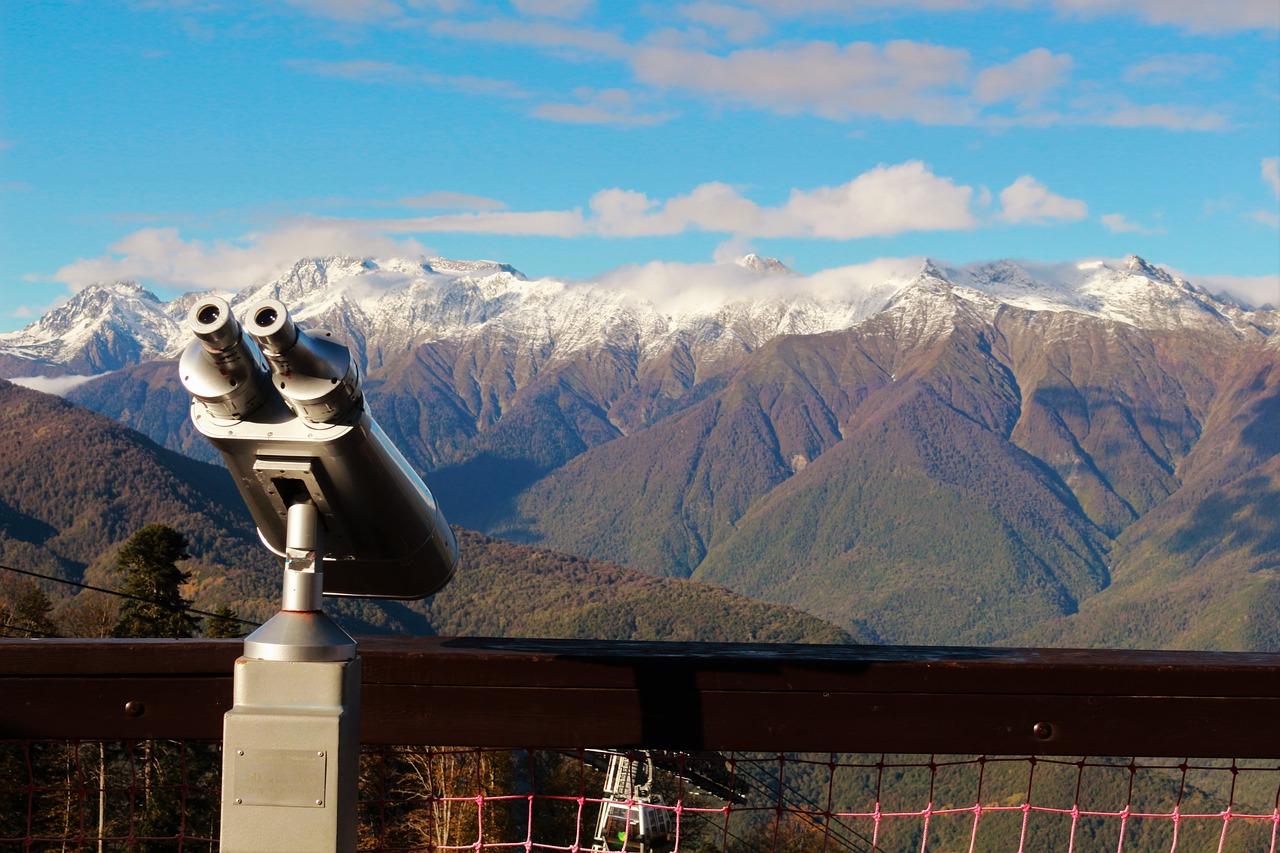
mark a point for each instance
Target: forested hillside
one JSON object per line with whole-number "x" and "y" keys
{"x": 75, "y": 485}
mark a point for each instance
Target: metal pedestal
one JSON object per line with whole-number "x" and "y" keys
{"x": 291, "y": 743}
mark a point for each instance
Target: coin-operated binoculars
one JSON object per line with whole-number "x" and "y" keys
{"x": 332, "y": 496}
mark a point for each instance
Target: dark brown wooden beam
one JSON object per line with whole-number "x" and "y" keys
{"x": 563, "y": 693}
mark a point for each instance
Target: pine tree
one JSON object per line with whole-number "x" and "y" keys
{"x": 149, "y": 563}
{"x": 223, "y": 624}
{"x": 31, "y": 612}
{"x": 25, "y": 610}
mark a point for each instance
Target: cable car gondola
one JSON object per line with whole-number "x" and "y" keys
{"x": 632, "y": 818}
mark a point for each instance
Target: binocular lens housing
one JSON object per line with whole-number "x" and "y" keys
{"x": 218, "y": 368}
{"x": 315, "y": 375}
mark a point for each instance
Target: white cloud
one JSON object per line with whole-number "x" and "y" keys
{"x": 46, "y": 288}
{"x": 1194, "y": 15}
{"x": 1270, "y": 177}
{"x": 738, "y": 25}
{"x": 897, "y": 80}
{"x": 1256, "y": 291}
{"x": 610, "y": 106}
{"x": 1116, "y": 223}
{"x": 446, "y": 200}
{"x": 376, "y": 72}
{"x": 627, "y": 213}
{"x": 733, "y": 249}
{"x": 884, "y": 201}
{"x": 1271, "y": 173}
{"x": 386, "y": 12}
{"x": 359, "y": 70}
{"x": 1266, "y": 217}
{"x": 712, "y": 207}
{"x": 881, "y": 202}
{"x": 543, "y": 223}
{"x": 57, "y": 385}
{"x": 719, "y": 207}
{"x": 162, "y": 256}
{"x": 1028, "y": 200}
{"x": 1121, "y": 113}
{"x": 579, "y": 41}
{"x": 862, "y": 8}
{"x": 349, "y": 10}
{"x": 1171, "y": 69}
{"x": 667, "y": 284}
{"x": 553, "y": 8}
{"x": 1026, "y": 79}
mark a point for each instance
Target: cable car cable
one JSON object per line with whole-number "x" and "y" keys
{"x": 765, "y": 786}
{"x": 120, "y": 594}
{"x": 31, "y": 632}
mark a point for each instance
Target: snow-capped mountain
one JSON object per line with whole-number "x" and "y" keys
{"x": 943, "y": 453}
{"x": 1132, "y": 291}
{"x": 753, "y": 261}
{"x": 101, "y": 328}
{"x": 386, "y": 307}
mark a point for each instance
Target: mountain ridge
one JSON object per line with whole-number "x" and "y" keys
{"x": 387, "y": 307}
{"x": 928, "y": 453}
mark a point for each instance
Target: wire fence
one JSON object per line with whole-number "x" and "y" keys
{"x": 113, "y": 745}
{"x": 109, "y": 795}
{"x": 163, "y": 795}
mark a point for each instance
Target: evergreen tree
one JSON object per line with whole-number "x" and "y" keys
{"x": 25, "y": 610}
{"x": 149, "y": 563}
{"x": 31, "y": 612}
{"x": 223, "y": 624}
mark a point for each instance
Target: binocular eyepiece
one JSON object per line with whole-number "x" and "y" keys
{"x": 314, "y": 376}
{"x": 218, "y": 369}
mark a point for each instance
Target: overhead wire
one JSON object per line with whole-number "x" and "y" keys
{"x": 32, "y": 632}
{"x": 765, "y": 786}
{"x": 723, "y": 828}
{"x": 138, "y": 598}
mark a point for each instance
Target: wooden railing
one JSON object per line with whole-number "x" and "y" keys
{"x": 781, "y": 698}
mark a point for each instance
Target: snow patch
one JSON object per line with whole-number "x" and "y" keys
{"x": 388, "y": 306}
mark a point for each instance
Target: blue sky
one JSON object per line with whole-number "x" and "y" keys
{"x": 190, "y": 144}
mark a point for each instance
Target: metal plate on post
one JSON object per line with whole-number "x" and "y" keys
{"x": 279, "y": 777}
